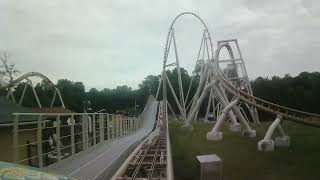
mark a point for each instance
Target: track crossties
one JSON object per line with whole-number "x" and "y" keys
{"x": 150, "y": 161}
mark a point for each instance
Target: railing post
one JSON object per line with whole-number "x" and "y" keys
{"x": 135, "y": 123}
{"x": 128, "y": 125}
{"x": 117, "y": 125}
{"x": 138, "y": 123}
{"x": 101, "y": 128}
{"x": 94, "y": 128}
{"x": 121, "y": 125}
{"x": 113, "y": 126}
{"x": 83, "y": 133}
{"x": 72, "y": 134}
{"x": 15, "y": 139}
{"x": 125, "y": 125}
{"x": 129, "y": 122}
{"x": 58, "y": 137}
{"x": 87, "y": 131}
{"x": 132, "y": 124}
{"x": 39, "y": 141}
{"x": 108, "y": 128}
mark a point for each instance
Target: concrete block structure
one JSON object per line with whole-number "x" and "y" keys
{"x": 210, "y": 167}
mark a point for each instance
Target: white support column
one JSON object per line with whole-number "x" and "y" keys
{"x": 158, "y": 90}
{"x": 208, "y": 107}
{"x": 244, "y": 114}
{"x": 182, "y": 103}
{"x": 53, "y": 98}
{"x": 215, "y": 134}
{"x": 35, "y": 95}
{"x": 247, "y": 129}
{"x": 194, "y": 110}
{"x": 23, "y": 93}
{"x": 182, "y": 113}
{"x": 267, "y": 144}
{"x": 213, "y": 105}
{"x": 255, "y": 117}
{"x": 283, "y": 140}
{"x": 234, "y": 126}
{"x": 60, "y": 98}
{"x": 8, "y": 93}
{"x": 174, "y": 115}
{"x": 13, "y": 98}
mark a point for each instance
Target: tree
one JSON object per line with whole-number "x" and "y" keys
{"x": 73, "y": 93}
{"x": 7, "y": 70}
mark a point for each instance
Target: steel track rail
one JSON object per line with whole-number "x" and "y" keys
{"x": 150, "y": 160}
{"x": 288, "y": 113}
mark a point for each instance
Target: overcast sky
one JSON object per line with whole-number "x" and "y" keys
{"x": 105, "y": 43}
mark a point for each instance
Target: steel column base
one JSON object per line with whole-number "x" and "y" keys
{"x": 235, "y": 127}
{"x": 214, "y": 136}
{"x": 250, "y": 134}
{"x": 266, "y": 145}
{"x": 282, "y": 141}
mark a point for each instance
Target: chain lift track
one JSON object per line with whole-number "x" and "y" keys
{"x": 149, "y": 160}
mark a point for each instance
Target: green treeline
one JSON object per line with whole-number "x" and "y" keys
{"x": 299, "y": 92}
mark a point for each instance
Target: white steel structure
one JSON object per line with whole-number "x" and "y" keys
{"x": 228, "y": 92}
{"x": 11, "y": 86}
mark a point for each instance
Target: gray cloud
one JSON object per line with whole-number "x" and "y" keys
{"x": 109, "y": 43}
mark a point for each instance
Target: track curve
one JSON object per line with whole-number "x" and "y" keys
{"x": 288, "y": 113}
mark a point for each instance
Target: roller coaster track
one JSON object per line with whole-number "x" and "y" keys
{"x": 26, "y": 77}
{"x": 288, "y": 113}
{"x": 211, "y": 74}
{"x": 152, "y": 158}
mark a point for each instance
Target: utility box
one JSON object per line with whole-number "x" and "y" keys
{"x": 210, "y": 167}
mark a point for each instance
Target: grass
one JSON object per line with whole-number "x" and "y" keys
{"x": 241, "y": 159}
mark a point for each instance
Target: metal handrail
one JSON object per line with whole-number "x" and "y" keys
{"x": 80, "y": 130}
